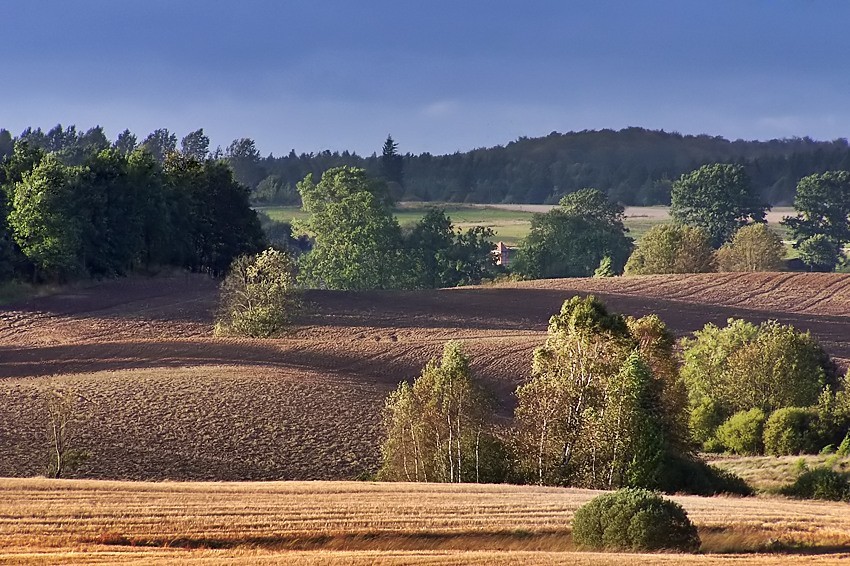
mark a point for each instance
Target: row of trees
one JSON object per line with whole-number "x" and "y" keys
{"x": 114, "y": 213}
{"x": 607, "y": 406}
{"x": 358, "y": 243}
{"x": 634, "y": 166}
{"x": 718, "y": 224}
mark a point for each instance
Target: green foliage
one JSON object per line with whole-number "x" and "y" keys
{"x": 753, "y": 248}
{"x": 672, "y": 248}
{"x": 742, "y": 433}
{"x": 215, "y": 222}
{"x": 195, "y": 145}
{"x": 43, "y": 219}
{"x": 437, "y": 428}
{"x": 821, "y": 227}
{"x": 600, "y": 407}
{"x": 744, "y": 366}
{"x": 634, "y": 520}
{"x": 718, "y": 198}
{"x": 358, "y": 242}
{"x": 272, "y": 190}
{"x": 703, "y": 421}
{"x": 160, "y": 144}
{"x": 258, "y": 297}
{"x": 791, "y": 430}
{"x": 445, "y": 257}
{"x": 844, "y": 447}
{"x": 821, "y": 483}
{"x": 572, "y": 239}
{"x": 633, "y": 165}
{"x": 115, "y": 210}
{"x": 244, "y": 158}
{"x": 605, "y": 268}
{"x": 820, "y": 252}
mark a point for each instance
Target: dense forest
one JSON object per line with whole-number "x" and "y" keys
{"x": 634, "y": 166}
{"x": 83, "y": 207}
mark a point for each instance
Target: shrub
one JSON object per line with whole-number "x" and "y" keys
{"x": 791, "y": 430}
{"x": 844, "y": 447}
{"x": 672, "y": 248}
{"x": 753, "y": 248}
{"x": 703, "y": 422}
{"x": 634, "y": 519}
{"x": 258, "y": 296}
{"x": 742, "y": 432}
{"x": 821, "y": 483}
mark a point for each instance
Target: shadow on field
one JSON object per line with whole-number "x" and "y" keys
{"x": 106, "y": 356}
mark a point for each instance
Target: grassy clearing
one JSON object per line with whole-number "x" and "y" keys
{"x": 769, "y": 473}
{"x": 49, "y": 521}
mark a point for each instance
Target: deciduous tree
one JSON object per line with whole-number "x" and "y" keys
{"x": 593, "y": 412}
{"x": 445, "y": 257}
{"x": 258, "y": 297}
{"x": 437, "y": 428}
{"x": 572, "y": 239}
{"x": 745, "y": 366}
{"x": 358, "y": 242}
{"x": 196, "y": 145}
{"x": 717, "y": 198}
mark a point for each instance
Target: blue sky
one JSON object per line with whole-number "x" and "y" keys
{"x": 440, "y": 76}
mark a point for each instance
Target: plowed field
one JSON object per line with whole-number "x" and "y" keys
{"x": 162, "y": 398}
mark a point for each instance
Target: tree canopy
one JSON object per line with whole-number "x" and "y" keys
{"x": 572, "y": 239}
{"x": 358, "y": 242}
{"x": 753, "y": 248}
{"x": 446, "y": 257}
{"x": 437, "y": 429}
{"x": 822, "y": 224}
{"x": 743, "y": 366}
{"x": 112, "y": 212}
{"x": 718, "y": 198}
{"x": 595, "y": 412}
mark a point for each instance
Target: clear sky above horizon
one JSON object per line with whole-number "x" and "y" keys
{"x": 439, "y": 76}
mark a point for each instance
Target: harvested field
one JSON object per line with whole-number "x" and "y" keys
{"x": 49, "y": 521}
{"x": 163, "y": 399}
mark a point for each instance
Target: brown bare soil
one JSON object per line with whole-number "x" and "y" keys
{"x": 161, "y": 398}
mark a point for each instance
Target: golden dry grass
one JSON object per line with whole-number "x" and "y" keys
{"x": 87, "y": 522}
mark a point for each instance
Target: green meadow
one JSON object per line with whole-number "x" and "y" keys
{"x": 511, "y": 223}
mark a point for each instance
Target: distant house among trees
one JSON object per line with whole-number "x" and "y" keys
{"x": 503, "y": 254}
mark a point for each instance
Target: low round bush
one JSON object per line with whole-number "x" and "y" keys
{"x": 634, "y": 519}
{"x": 821, "y": 483}
{"x": 791, "y": 430}
{"x": 742, "y": 432}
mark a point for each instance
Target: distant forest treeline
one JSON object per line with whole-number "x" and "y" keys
{"x": 634, "y": 166}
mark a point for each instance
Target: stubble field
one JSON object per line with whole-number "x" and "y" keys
{"x": 87, "y": 522}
